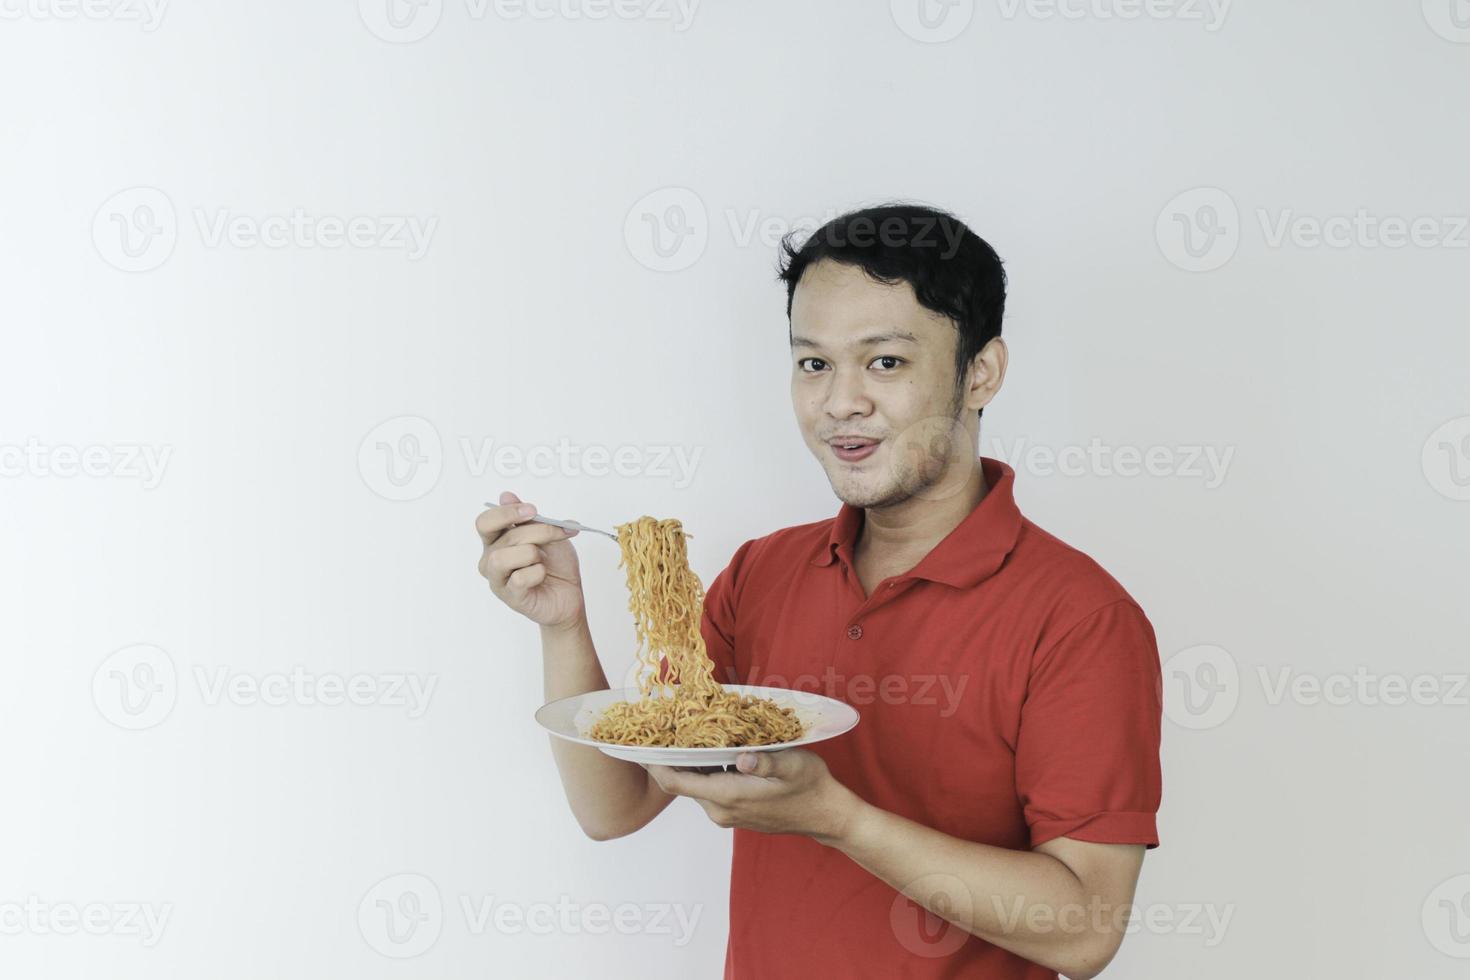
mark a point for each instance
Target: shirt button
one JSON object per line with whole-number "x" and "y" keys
{"x": 854, "y": 632}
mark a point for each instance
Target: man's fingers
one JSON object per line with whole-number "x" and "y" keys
{"x": 501, "y": 563}
{"x": 723, "y": 788}
{"x": 525, "y": 579}
{"x": 493, "y": 521}
{"x": 665, "y": 777}
{"x": 531, "y": 534}
{"x": 510, "y": 524}
{"x": 718, "y": 815}
{"x": 780, "y": 764}
{"x": 679, "y": 782}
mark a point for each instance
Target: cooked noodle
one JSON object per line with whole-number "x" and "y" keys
{"x": 681, "y": 704}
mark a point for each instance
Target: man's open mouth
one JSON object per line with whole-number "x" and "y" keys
{"x": 853, "y": 448}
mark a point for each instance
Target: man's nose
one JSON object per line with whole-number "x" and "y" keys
{"x": 847, "y": 396}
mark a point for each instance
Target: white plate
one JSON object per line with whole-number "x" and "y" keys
{"x": 570, "y": 718}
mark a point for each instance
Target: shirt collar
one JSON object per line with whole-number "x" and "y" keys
{"x": 969, "y": 554}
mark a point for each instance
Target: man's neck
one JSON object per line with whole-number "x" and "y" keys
{"x": 901, "y": 535}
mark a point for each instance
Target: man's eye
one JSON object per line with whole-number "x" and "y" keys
{"x": 887, "y": 363}
{"x": 811, "y": 364}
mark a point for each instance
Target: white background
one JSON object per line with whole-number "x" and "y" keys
{"x": 1332, "y": 834}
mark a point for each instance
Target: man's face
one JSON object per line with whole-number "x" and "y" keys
{"x": 873, "y": 369}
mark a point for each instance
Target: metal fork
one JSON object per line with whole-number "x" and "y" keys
{"x": 568, "y": 525}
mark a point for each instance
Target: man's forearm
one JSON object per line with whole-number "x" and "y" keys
{"x": 609, "y": 797}
{"x": 1027, "y": 902}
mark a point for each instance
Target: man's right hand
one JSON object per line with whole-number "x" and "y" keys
{"x": 531, "y": 567}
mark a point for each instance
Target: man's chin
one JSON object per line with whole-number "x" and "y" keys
{"x": 865, "y": 497}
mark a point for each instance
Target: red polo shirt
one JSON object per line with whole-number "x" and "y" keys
{"x": 1009, "y": 692}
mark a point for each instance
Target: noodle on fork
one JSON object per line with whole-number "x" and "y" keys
{"x": 681, "y": 703}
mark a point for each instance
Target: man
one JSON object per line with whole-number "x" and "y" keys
{"x": 989, "y": 814}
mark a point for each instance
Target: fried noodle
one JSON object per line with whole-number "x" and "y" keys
{"x": 681, "y": 703}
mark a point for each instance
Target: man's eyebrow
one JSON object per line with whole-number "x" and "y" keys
{"x": 868, "y": 341}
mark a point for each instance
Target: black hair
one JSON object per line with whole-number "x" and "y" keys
{"x": 952, "y": 270}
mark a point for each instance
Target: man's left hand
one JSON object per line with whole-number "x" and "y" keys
{"x": 789, "y": 791}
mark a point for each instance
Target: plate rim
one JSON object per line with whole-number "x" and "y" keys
{"x": 850, "y": 723}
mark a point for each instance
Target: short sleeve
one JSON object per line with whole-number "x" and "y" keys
{"x": 1087, "y": 754}
{"x": 717, "y": 623}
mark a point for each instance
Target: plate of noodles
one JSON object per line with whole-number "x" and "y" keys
{"x": 679, "y": 715}
{"x": 795, "y": 718}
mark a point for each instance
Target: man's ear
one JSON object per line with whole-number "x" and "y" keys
{"x": 986, "y": 374}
